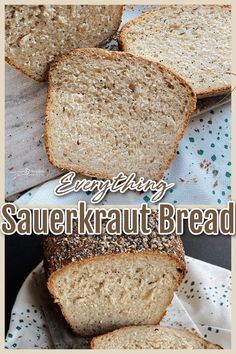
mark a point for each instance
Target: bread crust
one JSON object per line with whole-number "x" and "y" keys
{"x": 23, "y": 71}
{"x": 123, "y": 44}
{"x": 193, "y": 334}
{"x": 101, "y": 53}
{"x": 120, "y": 10}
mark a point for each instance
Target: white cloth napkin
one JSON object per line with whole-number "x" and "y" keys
{"x": 206, "y": 295}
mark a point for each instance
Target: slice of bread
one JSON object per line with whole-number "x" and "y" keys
{"x": 35, "y": 35}
{"x": 192, "y": 40}
{"x": 110, "y": 112}
{"x": 151, "y": 337}
{"x": 105, "y": 282}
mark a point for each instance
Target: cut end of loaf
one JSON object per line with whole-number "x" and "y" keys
{"x": 192, "y": 40}
{"x": 111, "y": 112}
{"x": 107, "y": 281}
{"x": 36, "y": 35}
{"x": 108, "y": 292}
{"x": 151, "y": 337}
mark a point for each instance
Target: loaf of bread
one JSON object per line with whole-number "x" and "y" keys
{"x": 192, "y": 40}
{"x": 110, "y": 112}
{"x": 35, "y": 35}
{"x": 151, "y": 337}
{"x": 106, "y": 282}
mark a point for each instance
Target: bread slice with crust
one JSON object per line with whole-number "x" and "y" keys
{"x": 111, "y": 112}
{"x": 35, "y": 35}
{"x": 151, "y": 337}
{"x": 106, "y": 282}
{"x": 192, "y": 40}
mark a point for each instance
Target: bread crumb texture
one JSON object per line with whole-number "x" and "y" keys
{"x": 35, "y": 35}
{"x": 105, "y": 282}
{"x": 192, "y": 40}
{"x": 111, "y": 112}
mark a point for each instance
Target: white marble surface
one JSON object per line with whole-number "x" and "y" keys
{"x": 26, "y": 161}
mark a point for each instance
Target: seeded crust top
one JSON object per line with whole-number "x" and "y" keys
{"x": 64, "y": 249}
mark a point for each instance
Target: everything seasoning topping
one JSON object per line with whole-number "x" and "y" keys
{"x": 63, "y": 249}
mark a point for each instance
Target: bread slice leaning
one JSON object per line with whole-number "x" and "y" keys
{"x": 192, "y": 40}
{"x": 35, "y": 35}
{"x": 106, "y": 282}
{"x": 151, "y": 337}
{"x": 111, "y": 112}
